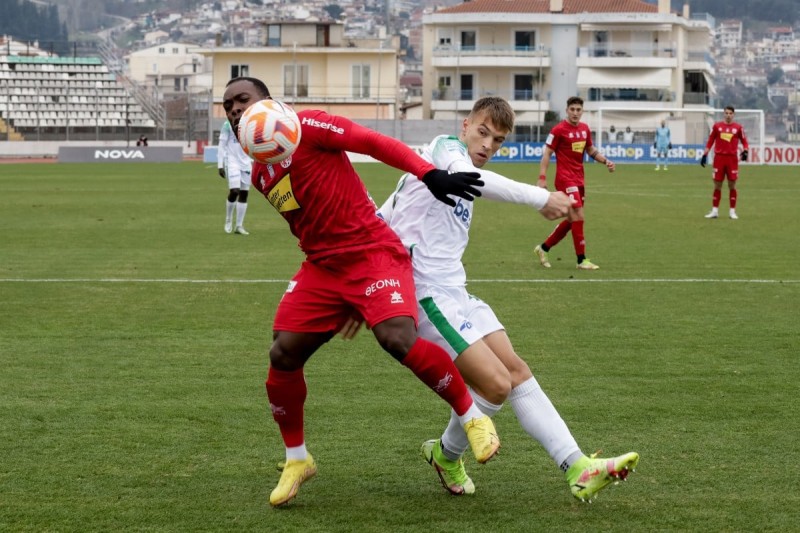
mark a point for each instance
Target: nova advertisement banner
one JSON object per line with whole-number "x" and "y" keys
{"x": 106, "y": 154}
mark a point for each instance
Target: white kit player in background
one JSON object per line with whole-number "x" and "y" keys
{"x": 235, "y": 166}
{"x": 436, "y": 236}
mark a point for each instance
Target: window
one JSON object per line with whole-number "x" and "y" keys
{"x": 273, "y": 35}
{"x": 523, "y": 87}
{"x": 177, "y": 84}
{"x": 467, "y": 92}
{"x": 295, "y": 80}
{"x": 468, "y": 40}
{"x": 161, "y": 50}
{"x": 361, "y": 81}
{"x": 323, "y": 35}
{"x": 175, "y": 50}
{"x": 524, "y": 40}
{"x": 443, "y": 88}
{"x": 240, "y": 70}
{"x": 445, "y": 39}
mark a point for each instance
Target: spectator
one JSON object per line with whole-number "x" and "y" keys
{"x": 627, "y": 136}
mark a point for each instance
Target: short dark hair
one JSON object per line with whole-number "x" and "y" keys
{"x": 260, "y": 85}
{"x": 731, "y": 108}
{"x": 574, "y": 100}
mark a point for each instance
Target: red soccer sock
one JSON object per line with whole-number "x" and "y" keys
{"x": 559, "y": 233}
{"x": 577, "y": 237}
{"x": 716, "y": 198}
{"x": 433, "y": 366}
{"x": 733, "y": 196}
{"x": 287, "y": 395}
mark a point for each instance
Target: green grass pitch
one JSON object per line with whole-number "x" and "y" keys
{"x": 133, "y": 338}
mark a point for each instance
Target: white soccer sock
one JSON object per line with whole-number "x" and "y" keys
{"x": 241, "y": 209}
{"x": 454, "y": 438}
{"x": 229, "y": 210}
{"x": 539, "y": 418}
{"x": 297, "y": 453}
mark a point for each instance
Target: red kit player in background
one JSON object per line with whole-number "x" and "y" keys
{"x": 725, "y": 137}
{"x": 569, "y": 139}
{"x": 355, "y": 266}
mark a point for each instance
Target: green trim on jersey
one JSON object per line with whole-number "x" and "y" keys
{"x": 451, "y": 336}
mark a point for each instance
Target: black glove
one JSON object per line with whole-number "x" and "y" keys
{"x": 743, "y": 155}
{"x": 655, "y": 145}
{"x": 222, "y": 173}
{"x": 669, "y": 146}
{"x": 463, "y": 184}
{"x": 703, "y": 160}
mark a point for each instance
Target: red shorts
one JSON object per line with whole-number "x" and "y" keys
{"x": 726, "y": 165}
{"x": 577, "y": 193}
{"x": 376, "y": 283}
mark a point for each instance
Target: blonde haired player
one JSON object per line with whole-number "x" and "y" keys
{"x": 466, "y": 327}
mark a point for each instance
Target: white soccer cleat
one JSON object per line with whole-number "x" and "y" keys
{"x": 542, "y": 255}
{"x": 228, "y": 226}
{"x": 712, "y": 214}
{"x": 241, "y": 231}
{"x": 733, "y": 214}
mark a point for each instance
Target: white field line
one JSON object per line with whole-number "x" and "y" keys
{"x": 283, "y": 281}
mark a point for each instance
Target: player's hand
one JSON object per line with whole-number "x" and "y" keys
{"x": 610, "y": 165}
{"x": 351, "y": 327}
{"x": 704, "y": 160}
{"x": 557, "y": 206}
{"x": 542, "y": 183}
{"x": 222, "y": 173}
{"x": 655, "y": 145}
{"x": 462, "y": 184}
{"x": 669, "y": 146}
{"x": 743, "y": 155}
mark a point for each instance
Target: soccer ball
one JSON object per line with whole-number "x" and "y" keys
{"x": 269, "y": 131}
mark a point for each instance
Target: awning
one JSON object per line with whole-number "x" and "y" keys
{"x": 633, "y": 26}
{"x": 638, "y": 78}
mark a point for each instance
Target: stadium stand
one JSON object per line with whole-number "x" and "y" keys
{"x": 51, "y": 96}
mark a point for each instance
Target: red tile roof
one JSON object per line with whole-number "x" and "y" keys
{"x": 543, "y": 6}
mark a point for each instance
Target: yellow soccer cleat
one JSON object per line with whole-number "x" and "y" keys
{"x": 295, "y": 472}
{"x": 452, "y": 474}
{"x": 482, "y": 437}
{"x": 589, "y": 475}
{"x": 542, "y": 255}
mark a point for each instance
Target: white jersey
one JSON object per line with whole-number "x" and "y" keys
{"x": 436, "y": 234}
{"x": 229, "y": 152}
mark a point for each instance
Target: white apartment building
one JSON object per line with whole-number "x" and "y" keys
{"x": 623, "y": 54}
{"x": 170, "y": 68}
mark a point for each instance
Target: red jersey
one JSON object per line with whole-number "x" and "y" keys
{"x": 318, "y": 191}
{"x": 569, "y": 144}
{"x": 725, "y": 138}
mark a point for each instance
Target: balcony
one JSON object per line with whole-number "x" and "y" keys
{"x": 491, "y": 56}
{"x": 604, "y": 55}
{"x": 521, "y": 101}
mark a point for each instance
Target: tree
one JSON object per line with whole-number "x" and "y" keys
{"x": 774, "y": 76}
{"x": 334, "y": 10}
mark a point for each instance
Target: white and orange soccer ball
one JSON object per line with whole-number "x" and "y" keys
{"x": 269, "y": 131}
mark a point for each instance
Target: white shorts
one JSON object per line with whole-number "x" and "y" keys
{"x": 238, "y": 178}
{"x": 453, "y": 318}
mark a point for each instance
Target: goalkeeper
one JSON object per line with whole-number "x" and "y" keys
{"x": 466, "y": 327}
{"x": 663, "y": 145}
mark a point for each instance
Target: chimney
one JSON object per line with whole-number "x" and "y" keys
{"x": 664, "y": 7}
{"x": 556, "y": 6}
